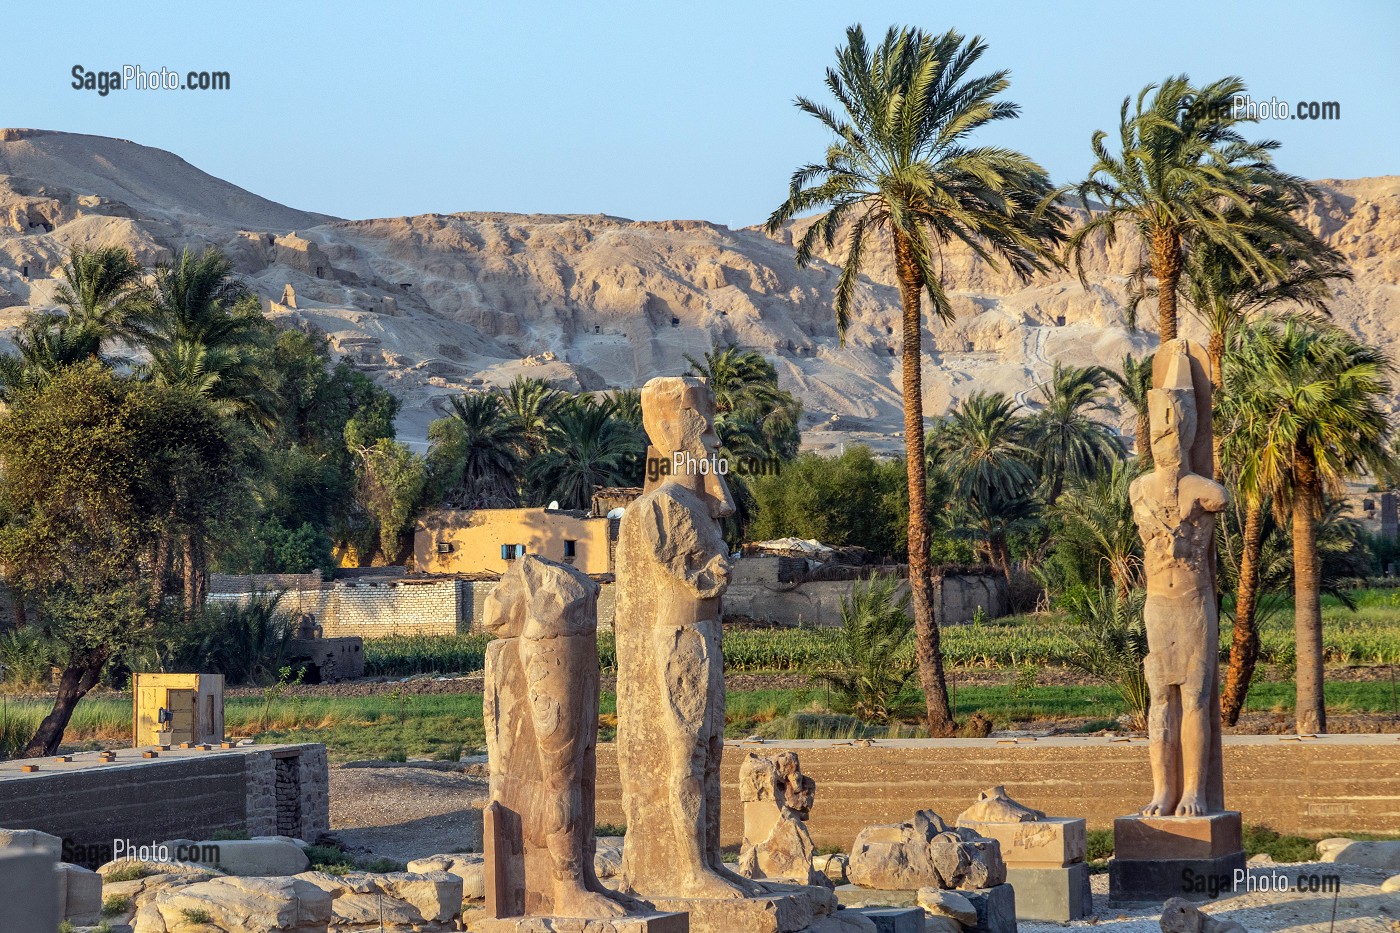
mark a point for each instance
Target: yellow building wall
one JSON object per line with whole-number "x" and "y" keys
{"x": 475, "y": 538}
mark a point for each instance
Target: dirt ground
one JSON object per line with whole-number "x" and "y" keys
{"x": 404, "y": 812}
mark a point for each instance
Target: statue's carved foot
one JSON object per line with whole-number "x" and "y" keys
{"x": 1159, "y": 806}
{"x": 586, "y": 905}
{"x": 1192, "y": 805}
{"x": 709, "y": 883}
{"x": 751, "y": 888}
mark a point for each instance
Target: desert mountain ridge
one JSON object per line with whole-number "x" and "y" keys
{"x": 437, "y": 304}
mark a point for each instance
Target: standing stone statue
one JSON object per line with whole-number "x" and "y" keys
{"x": 541, "y": 711}
{"x": 1175, "y": 508}
{"x": 672, "y": 567}
{"x": 777, "y": 800}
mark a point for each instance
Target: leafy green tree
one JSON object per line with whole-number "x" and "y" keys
{"x": 46, "y": 346}
{"x": 982, "y": 445}
{"x": 876, "y": 668}
{"x": 1068, "y": 444}
{"x": 1181, "y": 161}
{"x": 1305, "y": 415}
{"x": 902, "y": 165}
{"x": 853, "y": 500}
{"x": 762, "y": 418}
{"x": 533, "y": 403}
{"x": 1134, "y": 381}
{"x": 101, "y": 475}
{"x": 587, "y": 448}
{"x": 1097, "y": 531}
{"x": 393, "y": 480}
{"x": 1111, "y": 643}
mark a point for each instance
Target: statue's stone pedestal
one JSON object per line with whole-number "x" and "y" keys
{"x": 996, "y": 906}
{"x": 1058, "y": 895}
{"x": 639, "y": 923}
{"x": 1044, "y": 864}
{"x": 1157, "y": 857}
{"x": 896, "y": 919}
{"x": 1053, "y": 842}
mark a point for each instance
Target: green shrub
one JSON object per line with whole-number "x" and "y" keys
{"x": 874, "y": 670}
{"x": 1111, "y": 643}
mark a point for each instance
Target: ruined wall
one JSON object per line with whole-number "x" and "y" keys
{"x": 183, "y": 794}
{"x": 400, "y": 607}
{"x": 1331, "y": 785}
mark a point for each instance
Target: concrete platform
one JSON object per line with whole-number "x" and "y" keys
{"x": 1143, "y": 881}
{"x": 1054, "y": 894}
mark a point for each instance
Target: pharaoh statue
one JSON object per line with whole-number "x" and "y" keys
{"x": 541, "y": 712}
{"x": 672, "y": 568}
{"x": 1175, "y": 508}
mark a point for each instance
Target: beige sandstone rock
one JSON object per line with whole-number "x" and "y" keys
{"x": 237, "y": 905}
{"x": 260, "y": 857}
{"x": 541, "y": 711}
{"x": 424, "y": 901}
{"x": 924, "y": 852}
{"x": 1391, "y": 885}
{"x": 1175, "y": 507}
{"x": 469, "y": 866}
{"x": 31, "y": 840}
{"x": 607, "y": 860}
{"x": 777, "y": 799}
{"x": 672, "y": 569}
{"x": 948, "y": 904}
{"x": 995, "y": 806}
{"x": 79, "y": 894}
{"x": 1370, "y": 854}
{"x": 844, "y": 921}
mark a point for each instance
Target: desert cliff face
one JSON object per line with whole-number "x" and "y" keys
{"x": 439, "y": 303}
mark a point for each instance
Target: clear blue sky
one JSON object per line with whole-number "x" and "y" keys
{"x": 649, "y": 109}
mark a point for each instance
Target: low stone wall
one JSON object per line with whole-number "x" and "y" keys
{"x": 1327, "y": 786}
{"x": 767, "y": 588}
{"x": 183, "y": 794}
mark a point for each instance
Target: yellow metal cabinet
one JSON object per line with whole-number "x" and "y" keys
{"x": 189, "y": 707}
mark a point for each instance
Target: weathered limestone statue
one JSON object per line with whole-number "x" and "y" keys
{"x": 996, "y": 806}
{"x": 1175, "y": 507}
{"x": 777, "y": 800}
{"x": 672, "y": 567}
{"x": 541, "y": 711}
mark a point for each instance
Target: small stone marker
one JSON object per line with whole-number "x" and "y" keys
{"x": 150, "y": 754}
{"x": 28, "y": 769}
{"x": 63, "y": 759}
{"x": 227, "y": 744}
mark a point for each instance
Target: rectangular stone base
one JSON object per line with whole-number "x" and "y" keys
{"x": 896, "y": 919}
{"x": 1055, "y": 894}
{"x": 853, "y": 895}
{"x": 1177, "y": 837}
{"x": 1048, "y": 843}
{"x": 778, "y": 913}
{"x": 640, "y": 923}
{"x": 1140, "y": 881}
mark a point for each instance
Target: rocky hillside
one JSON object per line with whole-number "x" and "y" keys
{"x": 439, "y": 303}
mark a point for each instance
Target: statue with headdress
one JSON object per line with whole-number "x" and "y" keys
{"x": 1175, "y": 508}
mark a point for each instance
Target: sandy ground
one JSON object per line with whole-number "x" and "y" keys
{"x": 407, "y": 812}
{"x": 1361, "y": 906}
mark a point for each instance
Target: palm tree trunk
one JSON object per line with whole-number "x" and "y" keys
{"x": 1166, "y": 268}
{"x": 1311, "y": 710}
{"x": 1215, "y": 349}
{"x": 927, "y": 647}
{"x": 78, "y": 678}
{"x": 1142, "y": 444}
{"x": 1001, "y": 554}
{"x": 1244, "y": 648}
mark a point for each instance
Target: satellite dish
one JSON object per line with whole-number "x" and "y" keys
{"x": 554, "y": 504}
{"x": 616, "y": 513}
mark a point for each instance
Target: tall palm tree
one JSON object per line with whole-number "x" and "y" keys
{"x": 1098, "y": 512}
{"x": 227, "y": 376}
{"x": 533, "y": 403}
{"x": 479, "y": 451}
{"x": 1305, "y": 415}
{"x": 745, "y": 387}
{"x": 102, "y": 289}
{"x": 588, "y": 448}
{"x": 200, "y": 300}
{"x": 1069, "y": 445}
{"x": 902, "y": 166}
{"x": 1183, "y": 177}
{"x": 982, "y": 448}
{"x": 1134, "y": 381}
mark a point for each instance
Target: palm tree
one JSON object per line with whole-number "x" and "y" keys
{"x": 199, "y": 300}
{"x": 1134, "y": 381}
{"x": 46, "y": 346}
{"x": 102, "y": 289}
{"x": 477, "y": 451}
{"x": 1097, "y": 513}
{"x": 1068, "y": 444}
{"x": 588, "y": 448}
{"x": 745, "y": 387}
{"x": 226, "y": 376}
{"x": 981, "y": 446}
{"x": 532, "y": 402}
{"x": 901, "y": 165}
{"x": 1305, "y": 416}
{"x": 1184, "y": 177}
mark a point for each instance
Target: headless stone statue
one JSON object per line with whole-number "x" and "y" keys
{"x": 541, "y": 711}
{"x": 1175, "y": 508}
{"x": 672, "y": 567}
{"x": 777, "y": 799}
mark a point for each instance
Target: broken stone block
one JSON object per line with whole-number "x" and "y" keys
{"x": 924, "y": 852}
